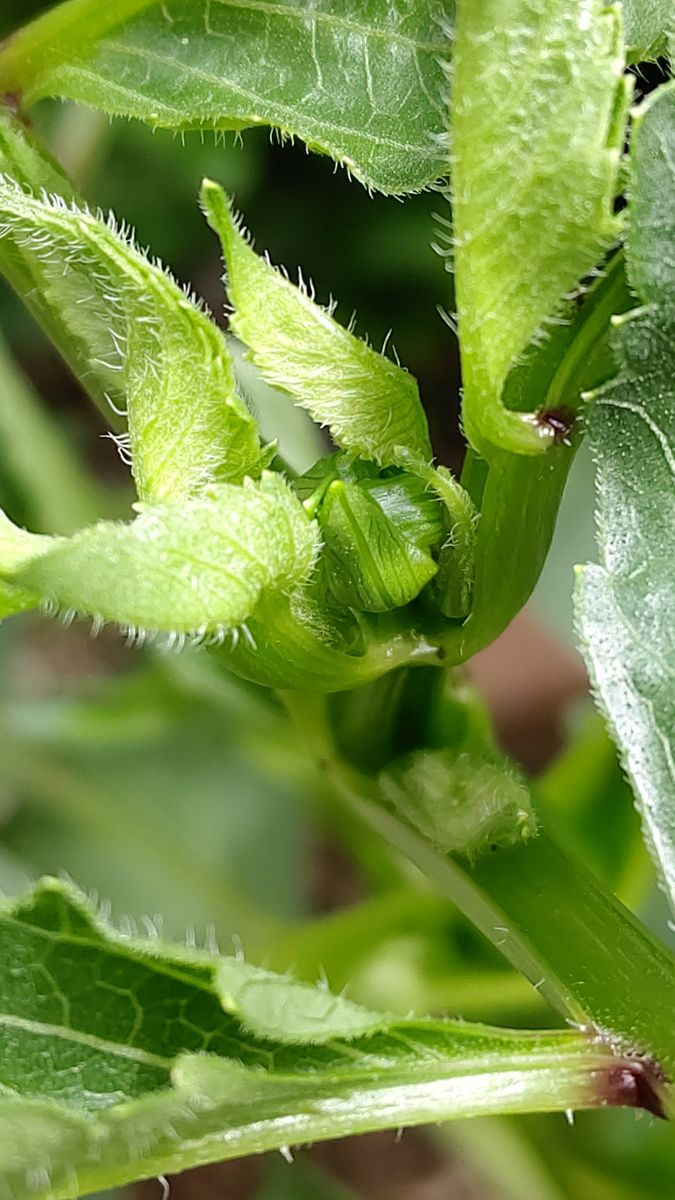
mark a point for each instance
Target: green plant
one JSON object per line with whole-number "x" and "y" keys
{"x": 358, "y": 587}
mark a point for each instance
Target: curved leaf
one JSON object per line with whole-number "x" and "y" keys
{"x": 192, "y": 569}
{"x": 123, "y": 1059}
{"x": 536, "y": 147}
{"x": 143, "y": 344}
{"x": 626, "y": 607}
{"x": 370, "y": 405}
{"x": 364, "y": 82}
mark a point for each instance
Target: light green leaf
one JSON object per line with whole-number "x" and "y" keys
{"x": 123, "y": 1059}
{"x": 538, "y": 118}
{"x": 197, "y": 568}
{"x": 361, "y": 80}
{"x": 149, "y": 350}
{"x": 646, "y": 27}
{"x": 462, "y": 801}
{"x": 457, "y": 558}
{"x": 626, "y": 607}
{"x": 370, "y": 405}
{"x": 368, "y": 564}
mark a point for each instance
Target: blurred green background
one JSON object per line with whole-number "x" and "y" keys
{"x": 179, "y": 797}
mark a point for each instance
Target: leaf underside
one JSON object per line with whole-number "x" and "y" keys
{"x": 122, "y": 1059}
{"x": 361, "y": 80}
{"x": 626, "y": 606}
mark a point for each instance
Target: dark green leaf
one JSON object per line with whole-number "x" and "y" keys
{"x": 362, "y": 80}
{"x": 626, "y": 606}
{"x": 123, "y": 1059}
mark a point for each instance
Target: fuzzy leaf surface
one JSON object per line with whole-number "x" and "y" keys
{"x": 626, "y": 606}
{"x": 370, "y": 405}
{"x": 538, "y": 112}
{"x": 198, "y": 567}
{"x": 123, "y": 1059}
{"x": 145, "y": 346}
{"x": 361, "y": 80}
{"x": 646, "y": 27}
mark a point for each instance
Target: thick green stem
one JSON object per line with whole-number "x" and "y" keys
{"x": 58, "y": 35}
{"x": 583, "y": 951}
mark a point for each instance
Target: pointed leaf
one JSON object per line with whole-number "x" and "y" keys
{"x": 195, "y": 568}
{"x": 123, "y": 1059}
{"x": 370, "y": 405}
{"x": 363, "y": 82}
{"x": 149, "y": 348}
{"x": 626, "y": 607}
{"x": 537, "y": 128}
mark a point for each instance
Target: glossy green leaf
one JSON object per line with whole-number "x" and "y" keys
{"x": 364, "y": 82}
{"x": 198, "y": 568}
{"x": 538, "y": 117}
{"x": 367, "y": 563}
{"x": 626, "y": 606}
{"x": 123, "y": 1059}
{"x": 152, "y": 352}
{"x": 370, "y": 405}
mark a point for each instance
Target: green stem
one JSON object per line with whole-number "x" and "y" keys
{"x": 583, "y": 951}
{"x": 519, "y": 495}
{"x": 55, "y": 36}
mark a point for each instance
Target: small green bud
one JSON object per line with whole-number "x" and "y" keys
{"x": 463, "y": 802}
{"x": 367, "y": 563}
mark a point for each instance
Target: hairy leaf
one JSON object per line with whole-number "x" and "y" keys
{"x": 463, "y": 802}
{"x": 364, "y": 82}
{"x": 148, "y": 348}
{"x": 646, "y": 25}
{"x": 537, "y": 128}
{"x": 370, "y": 405}
{"x": 195, "y": 568}
{"x": 123, "y": 1059}
{"x": 626, "y": 606}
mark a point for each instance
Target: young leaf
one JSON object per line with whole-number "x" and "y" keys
{"x": 368, "y": 564}
{"x": 457, "y": 558}
{"x": 370, "y": 405}
{"x": 626, "y": 607}
{"x": 364, "y": 83}
{"x": 462, "y": 802}
{"x": 195, "y": 568}
{"x": 536, "y": 148}
{"x": 148, "y": 348}
{"x": 123, "y": 1059}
